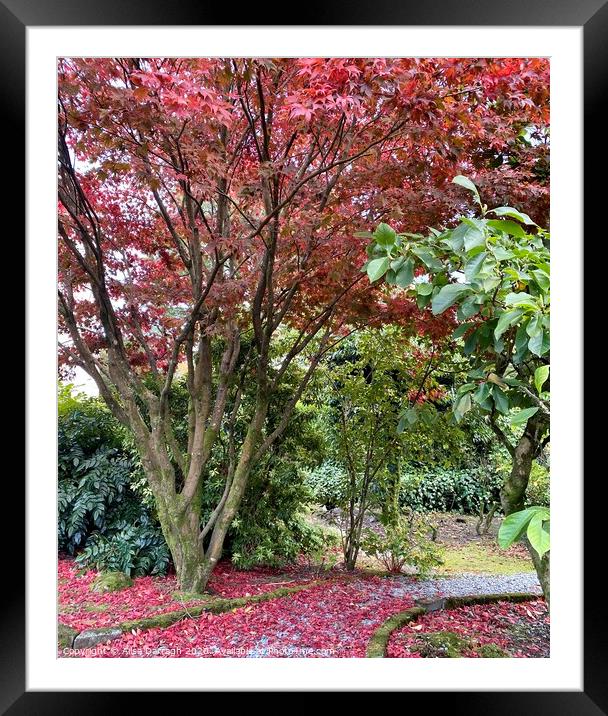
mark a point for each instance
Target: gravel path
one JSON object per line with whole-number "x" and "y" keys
{"x": 466, "y": 584}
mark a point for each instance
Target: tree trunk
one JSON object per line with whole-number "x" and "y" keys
{"x": 181, "y": 533}
{"x": 513, "y": 492}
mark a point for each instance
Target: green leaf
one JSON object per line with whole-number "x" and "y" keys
{"x": 475, "y": 234}
{"x": 509, "y": 227}
{"x": 384, "y": 235}
{"x": 538, "y": 533}
{"x": 455, "y": 238}
{"x": 514, "y": 525}
{"x": 542, "y": 279}
{"x": 427, "y": 258}
{"x": 377, "y": 268}
{"x": 473, "y": 266}
{"x": 482, "y": 393}
{"x": 423, "y": 300}
{"x": 471, "y": 343}
{"x": 468, "y": 308}
{"x": 447, "y": 296}
{"x": 405, "y": 274}
{"x": 501, "y": 400}
{"x": 466, "y": 183}
{"x": 536, "y": 344}
{"x": 462, "y": 406}
{"x": 535, "y": 325}
{"x": 461, "y": 330}
{"x": 501, "y": 253}
{"x": 520, "y": 299}
{"x": 424, "y": 288}
{"x": 540, "y": 377}
{"x": 507, "y": 319}
{"x": 523, "y": 415}
{"x": 521, "y": 340}
{"x": 512, "y": 214}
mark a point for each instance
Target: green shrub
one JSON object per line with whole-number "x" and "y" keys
{"x": 328, "y": 484}
{"x": 538, "y": 492}
{"x": 461, "y": 491}
{"x": 270, "y": 528}
{"x": 99, "y": 515}
{"x": 406, "y": 542}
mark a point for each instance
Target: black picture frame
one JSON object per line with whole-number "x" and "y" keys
{"x": 591, "y": 15}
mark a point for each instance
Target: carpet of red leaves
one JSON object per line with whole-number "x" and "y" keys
{"x": 80, "y": 608}
{"x": 333, "y": 619}
{"x": 520, "y": 629}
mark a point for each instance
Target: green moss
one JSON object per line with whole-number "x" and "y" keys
{"x": 376, "y": 647}
{"x": 111, "y": 582}
{"x": 215, "y": 605}
{"x": 442, "y": 644}
{"x": 191, "y": 596}
{"x": 492, "y": 651}
{"x": 96, "y": 607}
{"x": 65, "y": 635}
{"x": 480, "y": 559}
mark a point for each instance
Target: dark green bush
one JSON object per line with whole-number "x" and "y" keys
{"x": 99, "y": 515}
{"x": 449, "y": 490}
{"x": 328, "y": 484}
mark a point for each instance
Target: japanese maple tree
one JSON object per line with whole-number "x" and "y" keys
{"x": 205, "y": 204}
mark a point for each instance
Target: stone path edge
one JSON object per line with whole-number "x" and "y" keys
{"x": 378, "y": 642}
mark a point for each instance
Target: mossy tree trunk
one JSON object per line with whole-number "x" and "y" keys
{"x": 513, "y": 491}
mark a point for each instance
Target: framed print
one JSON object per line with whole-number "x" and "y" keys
{"x": 287, "y": 354}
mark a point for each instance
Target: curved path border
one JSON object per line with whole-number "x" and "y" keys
{"x": 378, "y": 642}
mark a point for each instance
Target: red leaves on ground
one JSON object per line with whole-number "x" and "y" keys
{"x": 332, "y": 619}
{"x": 484, "y": 623}
{"x": 81, "y": 608}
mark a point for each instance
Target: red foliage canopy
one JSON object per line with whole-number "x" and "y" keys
{"x": 187, "y": 170}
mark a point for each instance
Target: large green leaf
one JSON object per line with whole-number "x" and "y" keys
{"x": 522, "y": 416}
{"x": 462, "y": 406}
{"x": 465, "y": 182}
{"x": 540, "y": 377}
{"x": 520, "y": 299}
{"x": 424, "y": 288}
{"x": 427, "y": 258}
{"x": 405, "y": 274}
{"x": 510, "y": 227}
{"x": 536, "y": 343}
{"x": 538, "y": 532}
{"x": 473, "y": 266}
{"x": 513, "y": 527}
{"x": 512, "y": 214}
{"x": 501, "y": 400}
{"x": 377, "y": 268}
{"x": 507, "y": 319}
{"x": 474, "y": 236}
{"x": 384, "y": 235}
{"x": 447, "y": 296}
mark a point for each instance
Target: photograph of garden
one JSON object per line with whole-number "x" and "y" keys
{"x": 303, "y": 349}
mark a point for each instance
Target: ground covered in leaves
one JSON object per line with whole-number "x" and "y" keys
{"x": 334, "y": 616}
{"x": 499, "y": 630}
{"x": 81, "y": 608}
